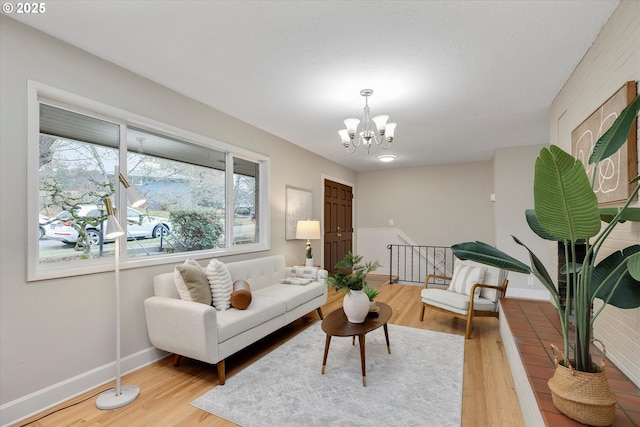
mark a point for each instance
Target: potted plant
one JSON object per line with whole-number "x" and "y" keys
{"x": 350, "y": 279}
{"x": 566, "y": 210}
{"x": 371, "y": 293}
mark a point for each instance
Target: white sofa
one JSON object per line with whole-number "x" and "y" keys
{"x": 201, "y": 332}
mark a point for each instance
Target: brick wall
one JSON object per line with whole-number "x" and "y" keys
{"x": 612, "y": 60}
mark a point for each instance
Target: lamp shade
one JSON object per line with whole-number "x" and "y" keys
{"x": 381, "y": 122}
{"x": 113, "y": 229}
{"x": 136, "y": 199}
{"x": 391, "y": 129}
{"x": 344, "y": 135}
{"x": 308, "y": 230}
{"x": 113, "y": 226}
{"x": 352, "y": 125}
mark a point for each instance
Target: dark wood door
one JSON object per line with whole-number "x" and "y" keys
{"x": 338, "y": 222}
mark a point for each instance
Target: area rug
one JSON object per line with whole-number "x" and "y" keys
{"x": 418, "y": 384}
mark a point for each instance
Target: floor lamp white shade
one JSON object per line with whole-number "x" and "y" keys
{"x": 121, "y": 395}
{"x": 136, "y": 199}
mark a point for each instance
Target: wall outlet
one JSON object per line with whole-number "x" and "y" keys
{"x": 391, "y": 222}
{"x": 530, "y": 281}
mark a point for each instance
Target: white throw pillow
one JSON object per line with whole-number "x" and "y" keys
{"x": 464, "y": 277}
{"x": 305, "y": 272}
{"x": 220, "y": 283}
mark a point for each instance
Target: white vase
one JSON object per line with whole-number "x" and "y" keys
{"x": 308, "y": 262}
{"x": 356, "y": 306}
{"x": 372, "y": 305}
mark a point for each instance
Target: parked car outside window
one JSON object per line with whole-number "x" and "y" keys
{"x": 139, "y": 226}
{"x": 42, "y": 223}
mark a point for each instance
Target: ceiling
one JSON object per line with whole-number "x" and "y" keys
{"x": 461, "y": 78}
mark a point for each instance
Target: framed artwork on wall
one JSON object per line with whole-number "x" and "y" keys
{"x": 298, "y": 207}
{"x": 612, "y": 178}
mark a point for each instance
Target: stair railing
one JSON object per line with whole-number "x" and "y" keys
{"x": 412, "y": 263}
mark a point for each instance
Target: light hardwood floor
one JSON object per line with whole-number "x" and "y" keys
{"x": 489, "y": 397}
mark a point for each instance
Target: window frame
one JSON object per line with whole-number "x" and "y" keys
{"x": 38, "y": 92}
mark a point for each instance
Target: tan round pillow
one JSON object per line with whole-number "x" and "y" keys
{"x": 241, "y": 295}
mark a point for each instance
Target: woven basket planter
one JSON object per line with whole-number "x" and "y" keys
{"x": 583, "y": 396}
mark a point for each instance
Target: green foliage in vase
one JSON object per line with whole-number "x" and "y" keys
{"x": 372, "y": 293}
{"x": 351, "y": 273}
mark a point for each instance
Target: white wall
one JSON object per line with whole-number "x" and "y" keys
{"x": 514, "y": 171}
{"x": 57, "y": 336}
{"x": 448, "y": 204}
{"x": 432, "y": 205}
{"x": 372, "y": 245}
{"x": 612, "y": 60}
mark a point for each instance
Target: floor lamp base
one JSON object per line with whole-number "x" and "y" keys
{"x": 110, "y": 400}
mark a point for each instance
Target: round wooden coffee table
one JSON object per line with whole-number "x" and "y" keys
{"x": 337, "y": 325}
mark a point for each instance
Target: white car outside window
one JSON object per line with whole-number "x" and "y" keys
{"x": 139, "y": 225}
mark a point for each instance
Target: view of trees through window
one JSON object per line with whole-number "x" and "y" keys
{"x": 184, "y": 184}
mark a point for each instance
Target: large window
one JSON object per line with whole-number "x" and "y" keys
{"x": 202, "y": 196}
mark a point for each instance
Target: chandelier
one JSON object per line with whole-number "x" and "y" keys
{"x": 372, "y": 130}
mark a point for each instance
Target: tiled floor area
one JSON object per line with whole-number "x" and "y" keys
{"x": 535, "y": 325}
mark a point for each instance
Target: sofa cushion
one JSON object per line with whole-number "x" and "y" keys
{"x": 241, "y": 295}
{"x": 458, "y": 303}
{"x": 220, "y": 283}
{"x": 260, "y": 272}
{"x": 262, "y": 309}
{"x": 191, "y": 282}
{"x": 293, "y": 296}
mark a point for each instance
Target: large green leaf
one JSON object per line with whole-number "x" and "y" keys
{"x": 614, "y": 138}
{"x": 534, "y": 225}
{"x": 571, "y": 268}
{"x": 634, "y": 266}
{"x": 626, "y": 213}
{"x": 565, "y": 204}
{"x": 538, "y": 269}
{"x": 487, "y": 254}
{"x": 629, "y": 214}
{"x": 627, "y": 294}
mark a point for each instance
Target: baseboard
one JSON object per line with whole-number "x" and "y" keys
{"x": 528, "y": 403}
{"x": 37, "y": 402}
